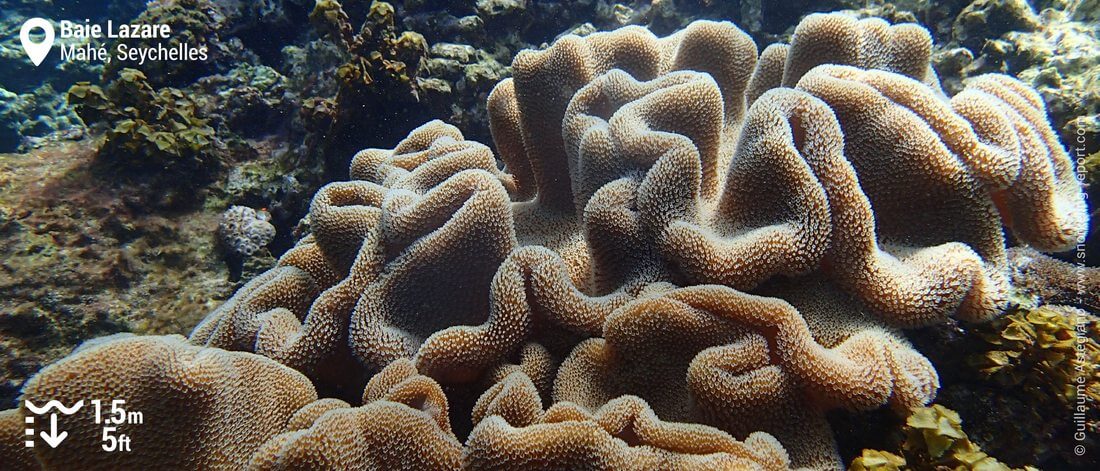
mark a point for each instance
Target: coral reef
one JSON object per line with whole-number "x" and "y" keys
{"x": 126, "y": 241}
{"x": 1053, "y": 49}
{"x": 32, "y": 112}
{"x": 244, "y": 237}
{"x": 680, "y": 251}
{"x": 609, "y": 212}
{"x": 458, "y": 79}
{"x": 984, "y": 19}
{"x": 1052, "y": 45}
{"x": 248, "y": 101}
{"x": 402, "y": 424}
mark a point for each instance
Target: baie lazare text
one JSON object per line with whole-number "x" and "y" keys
{"x": 121, "y": 31}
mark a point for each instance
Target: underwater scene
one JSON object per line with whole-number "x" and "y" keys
{"x": 549, "y": 235}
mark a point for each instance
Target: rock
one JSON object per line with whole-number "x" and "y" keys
{"x": 986, "y": 19}
{"x": 500, "y": 7}
{"x": 29, "y": 120}
{"x": 463, "y": 53}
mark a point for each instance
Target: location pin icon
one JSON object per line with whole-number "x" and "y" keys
{"x": 36, "y": 51}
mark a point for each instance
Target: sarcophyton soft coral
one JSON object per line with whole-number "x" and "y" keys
{"x": 685, "y": 245}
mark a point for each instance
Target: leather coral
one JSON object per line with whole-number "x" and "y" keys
{"x": 680, "y": 240}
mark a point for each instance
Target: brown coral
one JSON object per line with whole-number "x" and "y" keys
{"x": 545, "y": 81}
{"x": 928, "y": 240}
{"x": 1043, "y": 204}
{"x": 202, "y": 407}
{"x": 413, "y": 210}
{"x": 403, "y": 424}
{"x": 623, "y": 434}
{"x": 657, "y": 253}
{"x": 745, "y": 363}
{"x": 416, "y": 237}
{"x": 870, "y": 43}
{"x": 14, "y": 455}
{"x": 632, "y": 168}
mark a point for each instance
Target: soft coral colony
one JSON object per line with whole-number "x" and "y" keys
{"x": 692, "y": 253}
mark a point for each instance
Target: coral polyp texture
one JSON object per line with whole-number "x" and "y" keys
{"x": 625, "y": 433}
{"x": 689, "y": 254}
{"x": 243, "y": 231}
{"x": 235, "y": 402}
{"x": 403, "y": 424}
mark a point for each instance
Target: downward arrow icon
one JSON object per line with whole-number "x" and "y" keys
{"x": 53, "y": 438}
